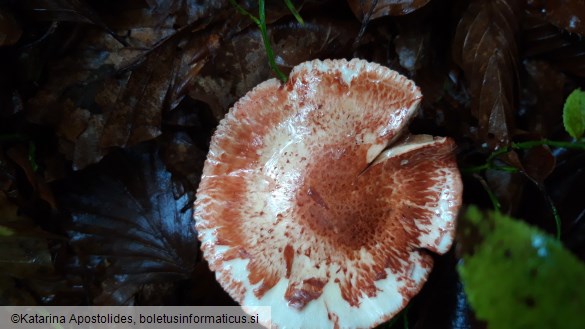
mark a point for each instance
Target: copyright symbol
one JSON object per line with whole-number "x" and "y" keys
{"x": 15, "y": 318}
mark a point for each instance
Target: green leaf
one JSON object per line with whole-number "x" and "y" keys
{"x": 516, "y": 276}
{"x": 574, "y": 114}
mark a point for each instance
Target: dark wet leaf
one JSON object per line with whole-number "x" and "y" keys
{"x": 372, "y": 9}
{"x": 519, "y": 277}
{"x": 485, "y": 47}
{"x": 240, "y": 62}
{"x": 104, "y": 94}
{"x": 128, "y": 221}
{"x": 183, "y": 158}
{"x": 566, "y": 14}
{"x": 538, "y": 163}
{"x": 64, "y": 10}
{"x": 542, "y": 99}
{"x": 422, "y": 46}
{"x": 544, "y": 40}
{"x": 412, "y": 44}
{"x": 96, "y": 103}
{"x": 183, "y": 12}
{"x": 69, "y": 11}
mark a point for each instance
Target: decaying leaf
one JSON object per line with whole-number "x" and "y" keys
{"x": 90, "y": 80}
{"x": 519, "y": 277}
{"x": 543, "y": 40}
{"x": 566, "y": 14}
{"x": 363, "y": 10}
{"x": 542, "y": 98}
{"x": 485, "y": 47}
{"x": 239, "y": 63}
{"x": 127, "y": 220}
{"x": 107, "y": 95}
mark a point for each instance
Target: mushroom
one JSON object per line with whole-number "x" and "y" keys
{"x": 316, "y": 201}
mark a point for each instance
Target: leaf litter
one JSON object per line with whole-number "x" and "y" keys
{"x": 118, "y": 102}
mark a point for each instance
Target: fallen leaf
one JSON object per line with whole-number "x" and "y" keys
{"x": 485, "y": 47}
{"x": 95, "y": 104}
{"x": 566, "y": 14}
{"x": 239, "y": 63}
{"x": 545, "y": 41}
{"x": 363, "y": 9}
{"x": 126, "y": 219}
{"x": 542, "y": 99}
{"x": 68, "y": 11}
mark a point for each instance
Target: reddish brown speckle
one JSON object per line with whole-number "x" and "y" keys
{"x": 298, "y": 295}
{"x": 288, "y": 258}
{"x": 314, "y": 228}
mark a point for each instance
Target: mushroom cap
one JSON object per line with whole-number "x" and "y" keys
{"x": 313, "y": 202}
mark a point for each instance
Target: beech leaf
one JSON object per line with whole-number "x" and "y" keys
{"x": 544, "y": 40}
{"x": 485, "y": 47}
{"x": 127, "y": 218}
{"x": 566, "y": 14}
{"x": 239, "y": 63}
{"x": 361, "y": 8}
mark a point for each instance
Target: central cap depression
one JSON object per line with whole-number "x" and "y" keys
{"x": 315, "y": 201}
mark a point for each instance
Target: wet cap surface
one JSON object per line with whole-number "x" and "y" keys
{"x": 314, "y": 200}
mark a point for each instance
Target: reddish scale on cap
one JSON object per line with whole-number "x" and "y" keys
{"x": 292, "y": 212}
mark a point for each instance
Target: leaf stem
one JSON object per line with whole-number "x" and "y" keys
{"x": 530, "y": 144}
{"x": 13, "y": 137}
{"x": 244, "y": 12}
{"x": 269, "y": 52}
{"x": 294, "y": 11}
{"x": 554, "y": 211}
{"x": 261, "y": 22}
{"x": 489, "y": 164}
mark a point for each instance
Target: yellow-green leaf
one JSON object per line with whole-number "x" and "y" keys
{"x": 516, "y": 276}
{"x": 574, "y": 114}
